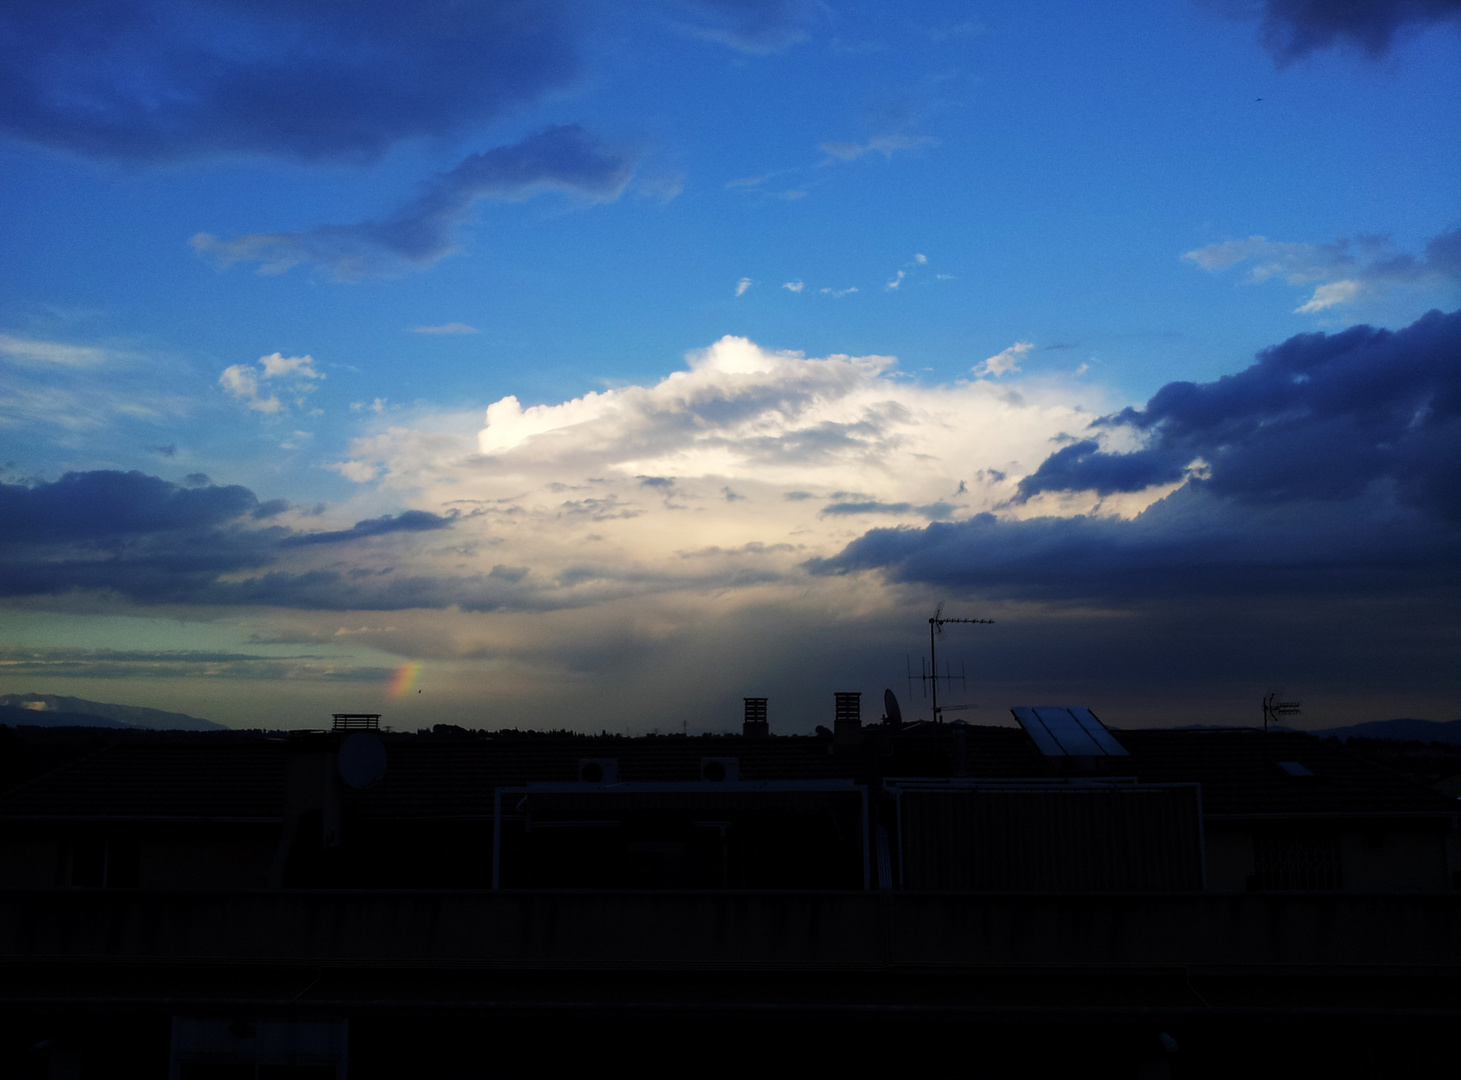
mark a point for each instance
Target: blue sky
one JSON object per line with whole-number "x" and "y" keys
{"x": 613, "y": 361}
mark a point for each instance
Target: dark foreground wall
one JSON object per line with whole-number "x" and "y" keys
{"x": 208, "y": 945}
{"x": 518, "y": 983}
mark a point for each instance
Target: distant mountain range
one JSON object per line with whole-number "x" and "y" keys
{"x": 52, "y": 710}
{"x": 1408, "y": 730}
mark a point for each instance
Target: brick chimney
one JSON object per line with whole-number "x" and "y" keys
{"x": 847, "y": 723}
{"x": 755, "y": 725}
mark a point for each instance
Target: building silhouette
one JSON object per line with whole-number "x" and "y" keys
{"x": 356, "y": 902}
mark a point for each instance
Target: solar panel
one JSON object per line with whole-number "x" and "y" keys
{"x": 1035, "y": 728}
{"x": 1072, "y": 738}
{"x": 1060, "y": 731}
{"x": 1097, "y": 730}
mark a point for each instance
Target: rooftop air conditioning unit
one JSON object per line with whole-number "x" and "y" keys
{"x": 598, "y": 770}
{"x": 718, "y": 769}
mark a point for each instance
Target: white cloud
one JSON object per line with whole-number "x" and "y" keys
{"x": 794, "y": 286}
{"x": 278, "y": 366}
{"x": 920, "y": 259}
{"x": 839, "y": 292}
{"x": 295, "y": 376}
{"x": 1344, "y": 272}
{"x": 1331, "y": 295}
{"x": 242, "y": 382}
{"x": 896, "y": 281}
{"x": 1003, "y": 362}
{"x": 758, "y": 443}
{"x": 742, "y": 285}
{"x": 446, "y": 328}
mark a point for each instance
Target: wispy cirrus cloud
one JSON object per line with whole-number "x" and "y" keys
{"x": 887, "y": 145}
{"x": 82, "y": 663}
{"x": 446, "y": 328}
{"x": 566, "y": 159}
{"x": 758, "y": 27}
{"x": 1344, "y": 272}
{"x": 34, "y": 352}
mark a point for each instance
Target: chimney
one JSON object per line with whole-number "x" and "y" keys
{"x": 755, "y": 725}
{"x": 847, "y": 724}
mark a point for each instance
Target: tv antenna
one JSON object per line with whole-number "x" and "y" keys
{"x": 930, "y": 677}
{"x": 1273, "y": 708}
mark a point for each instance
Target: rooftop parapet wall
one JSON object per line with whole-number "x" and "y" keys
{"x": 719, "y": 931}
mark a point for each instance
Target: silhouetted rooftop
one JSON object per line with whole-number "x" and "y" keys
{"x": 204, "y": 777}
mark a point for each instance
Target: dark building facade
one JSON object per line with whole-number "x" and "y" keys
{"x": 340, "y": 901}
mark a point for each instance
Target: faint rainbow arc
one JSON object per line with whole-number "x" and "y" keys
{"x": 404, "y": 679}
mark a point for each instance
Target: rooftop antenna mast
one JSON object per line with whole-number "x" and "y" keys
{"x": 930, "y": 679}
{"x": 1273, "y": 708}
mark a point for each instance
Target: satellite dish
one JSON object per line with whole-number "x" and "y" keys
{"x": 362, "y": 760}
{"x": 890, "y": 707}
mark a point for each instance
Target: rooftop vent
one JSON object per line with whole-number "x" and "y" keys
{"x": 718, "y": 769}
{"x": 603, "y": 770}
{"x": 347, "y": 721}
{"x": 755, "y": 725}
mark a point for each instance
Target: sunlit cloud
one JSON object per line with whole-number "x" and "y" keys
{"x": 293, "y": 376}
{"x": 1005, "y": 361}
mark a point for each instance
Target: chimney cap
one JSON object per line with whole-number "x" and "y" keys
{"x": 357, "y": 721}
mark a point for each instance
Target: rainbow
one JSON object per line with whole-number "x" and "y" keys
{"x": 404, "y": 679}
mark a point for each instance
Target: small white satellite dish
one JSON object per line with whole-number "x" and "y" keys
{"x": 362, "y": 759}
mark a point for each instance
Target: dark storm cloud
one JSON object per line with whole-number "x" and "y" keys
{"x": 1332, "y": 466}
{"x": 870, "y": 506}
{"x": 410, "y": 521}
{"x": 326, "y": 80}
{"x": 102, "y": 506}
{"x": 565, "y": 158}
{"x": 152, "y": 541}
{"x": 1320, "y": 416}
{"x": 1294, "y": 28}
{"x": 1189, "y": 545}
